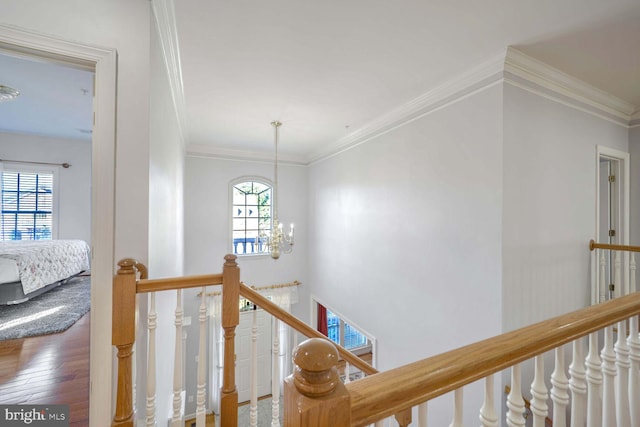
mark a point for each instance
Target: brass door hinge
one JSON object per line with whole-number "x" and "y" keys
{"x": 612, "y": 178}
{"x": 612, "y": 233}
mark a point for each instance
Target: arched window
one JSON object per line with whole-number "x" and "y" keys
{"x": 251, "y": 215}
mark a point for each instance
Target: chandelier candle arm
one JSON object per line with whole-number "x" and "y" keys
{"x": 276, "y": 240}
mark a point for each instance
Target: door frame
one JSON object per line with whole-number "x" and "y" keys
{"x": 102, "y": 61}
{"x": 623, "y": 197}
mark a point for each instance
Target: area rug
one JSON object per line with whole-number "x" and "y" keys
{"x": 49, "y": 313}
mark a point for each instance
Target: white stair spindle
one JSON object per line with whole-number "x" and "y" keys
{"x": 515, "y": 402}
{"x": 347, "y": 373}
{"x": 539, "y": 394}
{"x": 379, "y": 423}
{"x": 275, "y": 376}
{"x": 176, "y": 418}
{"x": 617, "y": 275}
{"x": 253, "y": 408}
{"x": 488, "y": 416}
{"x": 623, "y": 365}
{"x": 609, "y": 375}
{"x": 422, "y": 415}
{"x": 634, "y": 373}
{"x": 594, "y": 383}
{"x": 578, "y": 385}
{"x": 560, "y": 386}
{"x": 150, "y": 420}
{"x": 602, "y": 284}
{"x": 457, "y": 408}
{"x": 201, "y": 411}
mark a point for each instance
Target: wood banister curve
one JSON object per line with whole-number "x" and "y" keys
{"x": 382, "y": 395}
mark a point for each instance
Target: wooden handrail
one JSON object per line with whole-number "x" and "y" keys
{"x": 302, "y": 327}
{"x": 173, "y": 283}
{"x": 593, "y": 246}
{"x": 379, "y": 396}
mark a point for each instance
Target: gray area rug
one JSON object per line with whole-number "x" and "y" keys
{"x": 49, "y": 313}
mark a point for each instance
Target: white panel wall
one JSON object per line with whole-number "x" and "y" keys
{"x": 549, "y": 204}
{"x": 406, "y": 235}
{"x": 74, "y": 183}
{"x": 634, "y": 149}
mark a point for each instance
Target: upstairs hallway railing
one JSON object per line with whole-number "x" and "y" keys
{"x": 600, "y": 388}
{"x": 616, "y": 264}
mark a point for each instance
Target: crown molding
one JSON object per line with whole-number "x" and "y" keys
{"x": 478, "y": 78}
{"x": 569, "y": 87}
{"x": 165, "y": 20}
{"x": 207, "y": 151}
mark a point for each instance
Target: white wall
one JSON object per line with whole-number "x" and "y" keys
{"x": 166, "y": 240}
{"x": 122, "y": 25}
{"x": 406, "y": 235}
{"x": 634, "y": 150}
{"x": 549, "y": 204}
{"x": 74, "y": 183}
{"x": 208, "y": 235}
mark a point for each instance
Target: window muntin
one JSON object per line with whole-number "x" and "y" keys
{"x": 27, "y": 205}
{"x": 251, "y": 215}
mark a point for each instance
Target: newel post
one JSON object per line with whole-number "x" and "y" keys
{"x": 230, "y": 319}
{"x": 123, "y": 331}
{"x": 314, "y": 396}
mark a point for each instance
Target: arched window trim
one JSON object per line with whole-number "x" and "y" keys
{"x": 232, "y": 184}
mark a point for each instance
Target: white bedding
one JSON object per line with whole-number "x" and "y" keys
{"x": 42, "y": 262}
{"x": 8, "y": 271}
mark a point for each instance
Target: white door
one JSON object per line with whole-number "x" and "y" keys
{"x": 243, "y": 354}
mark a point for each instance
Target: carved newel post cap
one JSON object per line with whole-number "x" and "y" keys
{"x": 315, "y": 374}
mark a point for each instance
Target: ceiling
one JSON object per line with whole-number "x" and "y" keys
{"x": 327, "y": 69}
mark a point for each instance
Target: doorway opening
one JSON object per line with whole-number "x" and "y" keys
{"x": 102, "y": 61}
{"x": 612, "y": 215}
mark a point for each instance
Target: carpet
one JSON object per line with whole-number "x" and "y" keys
{"x": 49, "y": 313}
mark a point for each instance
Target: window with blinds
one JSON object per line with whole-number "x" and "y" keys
{"x": 251, "y": 216}
{"x": 27, "y": 205}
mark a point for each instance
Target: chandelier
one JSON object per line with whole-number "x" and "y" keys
{"x": 8, "y": 93}
{"x": 277, "y": 241}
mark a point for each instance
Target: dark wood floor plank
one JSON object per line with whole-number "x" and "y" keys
{"x": 51, "y": 369}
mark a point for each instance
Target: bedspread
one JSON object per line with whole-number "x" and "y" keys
{"x": 42, "y": 262}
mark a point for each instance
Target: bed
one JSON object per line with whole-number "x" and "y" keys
{"x": 31, "y": 267}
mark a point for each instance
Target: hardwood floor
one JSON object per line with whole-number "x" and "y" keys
{"x": 50, "y": 369}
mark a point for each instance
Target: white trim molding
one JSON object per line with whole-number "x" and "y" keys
{"x": 574, "y": 92}
{"x": 509, "y": 66}
{"x": 103, "y": 60}
{"x": 213, "y": 152}
{"x": 165, "y": 23}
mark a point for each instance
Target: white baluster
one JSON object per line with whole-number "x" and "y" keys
{"x": 253, "y": 408}
{"x": 275, "y": 376}
{"x": 347, "y": 373}
{"x": 176, "y": 418}
{"x": 578, "y": 385}
{"x": 609, "y": 375}
{"x": 379, "y": 423}
{"x": 594, "y": 383}
{"x": 150, "y": 420}
{"x": 457, "y": 408}
{"x": 559, "y": 394}
{"x": 617, "y": 276}
{"x": 201, "y": 412}
{"x": 422, "y": 415}
{"x": 602, "y": 285}
{"x": 634, "y": 373}
{"x": 515, "y": 402}
{"x": 539, "y": 394}
{"x": 488, "y": 416}
{"x": 622, "y": 381}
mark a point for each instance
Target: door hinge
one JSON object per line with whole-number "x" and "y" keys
{"x": 612, "y": 178}
{"x": 612, "y": 233}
